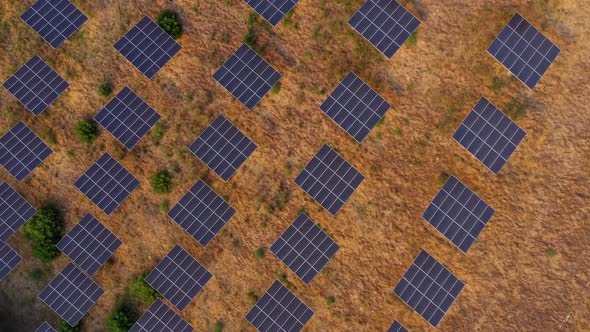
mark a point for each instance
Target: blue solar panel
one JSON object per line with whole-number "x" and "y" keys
{"x": 397, "y": 327}
{"x": 178, "y": 277}
{"x": 384, "y": 23}
{"x": 161, "y": 318}
{"x": 247, "y": 76}
{"x": 21, "y": 151}
{"x": 54, "y": 20}
{"x": 202, "y": 213}
{"x": 524, "y": 50}
{"x": 355, "y": 107}
{"x": 9, "y": 259}
{"x": 272, "y": 10}
{"x": 71, "y": 294}
{"x": 329, "y": 179}
{"x": 223, "y": 147}
{"x": 127, "y": 117}
{"x": 45, "y": 327}
{"x": 14, "y": 211}
{"x": 279, "y": 310}
{"x": 489, "y": 135}
{"x": 458, "y": 213}
{"x": 89, "y": 244}
{"x": 429, "y": 288}
{"x": 148, "y": 47}
{"x": 36, "y": 85}
{"x": 107, "y": 183}
{"x": 305, "y": 248}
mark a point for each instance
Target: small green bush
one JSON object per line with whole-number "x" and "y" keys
{"x": 169, "y": 21}
{"x": 44, "y": 230}
{"x": 218, "y": 326}
{"x": 142, "y": 291}
{"x": 158, "y": 132}
{"x": 63, "y": 326}
{"x": 161, "y": 182}
{"x": 283, "y": 277}
{"x": 413, "y": 39}
{"x": 86, "y": 131}
{"x": 276, "y": 88}
{"x": 330, "y": 300}
{"x": 120, "y": 320}
{"x": 252, "y": 297}
{"x": 259, "y": 253}
{"x": 105, "y": 89}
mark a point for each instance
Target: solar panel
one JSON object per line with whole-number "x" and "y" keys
{"x": 397, "y": 327}
{"x": 71, "y": 294}
{"x": 247, "y": 76}
{"x": 107, "y": 183}
{"x": 458, "y": 213}
{"x": 223, "y": 147}
{"x": 489, "y": 135}
{"x": 36, "y": 85}
{"x": 385, "y": 24}
{"x": 201, "y": 212}
{"x": 355, "y": 107}
{"x": 127, "y": 117}
{"x": 272, "y": 10}
{"x": 524, "y": 50}
{"x": 54, "y": 20}
{"x": 429, "y": 288}
{"x": 9, "y": 259}
{"x": 45, "y": 327}
{"x": 21, "y": 151}
{"x": 148, "y": 47}
{"x": 329, "y": 179}
{"x": 160, "y": 318}
{"x": 89, "y": 244}
{"x": 279, "y": 310}
{"x": 178, "y": 277}
{"x": 305, "y": 248}
{"x": 14, "y": 211}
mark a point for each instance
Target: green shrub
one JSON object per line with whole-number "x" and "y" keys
{"x": 158, "y": 132}
{"x": 44, "y": 230}
{"x": 165, "y": 206}
{"x": 142, "y": 291}
{"x": 252, "y": 297}
{"x": 283, "y": 277}
{"x": 86, "y": 131}
{"x": 551, "y": 253}
{"x": 413, "y": 39}
{"x": 276, "y": 88}
{"x": 161, "y": 182}
{"x": 63, "y": 326}
{"x": 443, "y": 177}
{"x": 120, "y": 320}
{"x": 105, "y": 89}
{"x": 169, "y": 21}
{"x": 330, "y": 300}
{"x": 218, "y": 326}
{"x": 259, "y": 253}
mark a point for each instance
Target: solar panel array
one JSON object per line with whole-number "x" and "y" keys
{"x": 329, "y": 179}
{"x": 272, "y": 10}
{"x": 36, "y": 85}
{"x": 148, "y": 47}
{"x": 247, "y": 76}
{"x": 524, "y": 50}
{"x": 14, "y": 211}
{"x": 223, "y": 147}
{"x": 279, "y": 310}
{"x": 429, "y": 288}
{"x": 489, "y": 135}
{"x": 54, "y": 20}
{"x": 161, "y": 318}
{"x": 355, "y": 107}
{"x": 127, "y": 117}
{"x": 45, "y": 327}
{"x": 21, "y": 151}
{"x": 9, "y": 259}
{"x": 178, "y": 277}
{"x": 397, "y": 327}
{"x": 305, "y": 248}
{"x": 384, "y": 23}
{"x": 71, "y": 294}
{"x": 89, "y": 244}
{"x": 107, "y": 183}
{"x": 201, "y": 212}
{"x": 458, "y": 213}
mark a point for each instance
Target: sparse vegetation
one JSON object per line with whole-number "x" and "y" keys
{"x": 413, "y": 39}
{"x": 38, "y": 274}
{"x": 158, "y": 132}
{"x": 161, "y": 182}
{"x": 63, "y": 326}
{"x": 276, "y": 88}
{"x": 170, "y": 22}
{"x": 330, "y": 300}
{"x": 497, "y": 84}
{"x": 105, "y": 89}
{"x": 44, "y": 231}
{"x": 218, "y": 326}
{"x": 283, "y": 277}
{"x": 121, "y": 319}
{"x": 252, "y": 297}
{"x": 443, "y": 177}
{"x": 551, "y": 253}
{"x": 164, "y": 206}
{"x": 142, "y": 291}
{"x": 259, "y": 253}
{"x": 86, "y": 131}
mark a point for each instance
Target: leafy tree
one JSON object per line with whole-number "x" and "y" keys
{"x": 142, "y": 291}
{"x": 105, "y": 89}
{"x": 169, "y": 21}
{"x": 121, "y": 320}
{"x": 161, "y": 182}
{"x": 44, "y": 230}
{"x": 86, "y": 131}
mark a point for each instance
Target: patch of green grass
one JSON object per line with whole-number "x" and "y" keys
{"x": 551, "y": 253}
{"x": 86, "y": 131}
{"x": 164, "y": 206}
{"x": 259, "y": 253}
{"x": 169, "y": 21}
{"x": 161, "y": 182}
{"x": 515, "y": 109}
{"x": 64, "y": 326}
{"x": 105, "y": 89}
{"x": 288, "y": 21}
{"x": 38, "y": 274}
{"x": 140, "y": 290}
{"x": 276, "y": 88}
{"x": 158, "y": 132}
{"x": 497, "y": 84}
{"x": 443, "y": 177}
{"x": 218, "y": 326}
{"x": 397, "y": 132}
{"x": 330, "y": 300}
{"x": 449, "y": 118}
{"x": 413, "y": 39}
{"x": 283, "y": 277}
{"x": 252, "y": 297}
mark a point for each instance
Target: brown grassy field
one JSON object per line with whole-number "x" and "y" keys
{"x": 529, "y": 269}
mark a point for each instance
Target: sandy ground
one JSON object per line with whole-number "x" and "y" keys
{"x": 529, "y": 269}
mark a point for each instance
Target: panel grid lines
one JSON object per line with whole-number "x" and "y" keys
{"x": 21, "y": 151}
{"x": 247, "y": 76}
{"x": 45, "y": 327}
{"x": 54, "y": 20}
{"x": 9, "y": 259}
{"x": 14, "y": 211}
{"x": 305, "y": 248}
{"x": 273, "y": 11}
{"x": 397, "y": 327}
{"x": 489, "y": 135}
{"x": 161, "y": 318}
{"x": 458, "y": 214}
